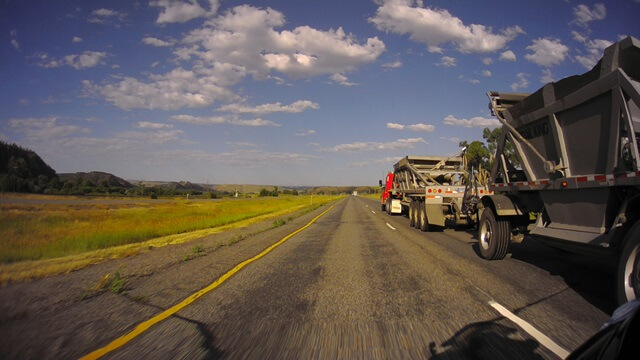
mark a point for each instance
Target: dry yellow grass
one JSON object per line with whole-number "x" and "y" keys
{"x": 92, "y": 233}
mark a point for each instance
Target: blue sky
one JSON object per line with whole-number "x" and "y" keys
{"x": 278, "y": 92}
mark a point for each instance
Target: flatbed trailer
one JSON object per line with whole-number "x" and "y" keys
{"x": 434, "y": 191}
{"x": 578, "y": 166}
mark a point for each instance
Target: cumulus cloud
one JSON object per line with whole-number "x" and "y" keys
{"x": 14, "y": 41}
{"x": 583, "y": 15}
{"x": 246, "y": 36}
{"x": 486, "y": 73}
{"x": 435, "y": 27}
{"x": 447, "y": 61}
{"x": 220, "y": 120}
{"x": 522, "y": 82}
{"x": 508, "y": 56}
{"x": 413, "y": 127}
{"x": 409, "y": 143}
{"x": 102, "y": 16}
{"x": 157, "y": 42}
{"x": 171, "y": 91}
{"x": 487, "y": 61}
{"x": 177, "y": 11}
{"x": 305, "y": 132}
{"x": 594, "y": 50}
{"x": 152, "y": 125}
{"x": 477, "y": 121}
{"x": 76, "y": 39}
{"x": 342, "y": 80}
{"x": 393, "y": 65}
{"x": 252, "y": 158}
{"x": 156, "y": 136}
{"x": 546, "y": 77}
{"x": 547, "y": 52}
{"x": 455, "y": 140}
{"x": 293, "y": 108}
{"x": 35, "y": 129}
{"x": 85, "y": 60}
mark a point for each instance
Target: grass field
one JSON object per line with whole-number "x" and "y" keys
{"x": 50, "y": 230}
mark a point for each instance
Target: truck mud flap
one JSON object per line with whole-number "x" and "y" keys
{"x": 435, "y": 215}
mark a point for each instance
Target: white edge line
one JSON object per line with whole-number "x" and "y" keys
{"x": 391, "y": 227}
{"x": 535, "y": 333}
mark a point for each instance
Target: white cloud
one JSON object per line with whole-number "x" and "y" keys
{"x": 578, "y": 37}
{"x": 152, "y": 125}
{"x": 152, "y": 137}
{"x": 14, "y": 42}
{"x": 447, "y": 61}
{"x": 547, "y": 52}
{"x": 295, "y": 107}
{"x": 594, "y": 50}
{"x": 219, "y": 120}
{"x": 253, "y": 158}
{"x": 372, "y": 146}
{"x": 522, "y": 82}
{"x": 487, "y": 61}
{"x": 245, "y": 36}
{"x": 486, "y": 73}
{"x": 415, "y": 127}
{"x": 102, "y": 16}
{"x": 477, "y": 121}
{"x": 85, "y": 60}
{"x": 177, "y": 11}
{"x": 157, "y": 42}
{"x": 546, "y": 77}
{"x": 470, "y": 81}
{"x": 393, "y": 65}
{"x": 43, "y": 128}
{"x": 342, "y": 80}
{"x": 435, "y": 27}
{"x": 305, "y": 133}
{"x": 508, "y": 56}
{"x": 174, "y": 90}
{"x": 583, "y": 15}
{"x": 241, "y": 143}
{"x": 455, "y": 140}
{"x": 76, "y": 39}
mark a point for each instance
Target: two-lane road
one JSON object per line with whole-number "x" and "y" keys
{"x": 355, "y": 283}
{"x": 361, "y": 283}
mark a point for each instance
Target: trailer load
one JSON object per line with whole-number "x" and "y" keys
{"x": 573, "y": 162}
{"x": 434, "y": 191}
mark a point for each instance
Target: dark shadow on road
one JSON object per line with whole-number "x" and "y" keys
{"x": 590, "y": 276}
{"x": 485, "y": 340}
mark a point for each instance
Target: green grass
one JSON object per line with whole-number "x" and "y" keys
{"x": 45, "y": 231}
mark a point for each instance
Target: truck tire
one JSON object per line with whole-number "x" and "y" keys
{"x": 412, "y": 213}
{"x": 628, "y": 274}
{"x": 424, "y": 221}
{"x": 382, "y": 207}
{"x": 417, "y": 214}
{"x": 389, "y": 206}
{"x": 494, "y": 233}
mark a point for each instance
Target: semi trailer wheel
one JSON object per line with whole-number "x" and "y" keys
{"x": 382, "y": 207}
{"x": 412, "y": 213}
{"x": 494, "y": 235}
{"x": 424, "y": 221}
{"x": 628, "y": 274}
{"x": 418, "y": 213}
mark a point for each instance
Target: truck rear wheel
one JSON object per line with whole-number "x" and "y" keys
{"x": 424, "y": 221}
{"x": 628, "y": 274}
{"x": 412, "y": 213}
{"x": 418, "y": 214}
{"x": 493, "y": 235}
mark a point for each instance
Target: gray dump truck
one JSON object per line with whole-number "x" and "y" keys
{"x": 568, "y": 157}
{"x": 434, "y": 191}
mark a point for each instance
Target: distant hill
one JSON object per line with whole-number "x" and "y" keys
{"x": 173, "y": 185}
{"x": 22, "y": 170}
{"x": 96, "y": 178}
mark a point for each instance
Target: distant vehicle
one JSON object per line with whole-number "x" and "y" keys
{"x": 355, "y": 193}
{"x": 577, "y": 165}
{"x": 434, "y": 191}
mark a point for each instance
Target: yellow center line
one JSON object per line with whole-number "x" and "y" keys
{"x": 143, "y": 326}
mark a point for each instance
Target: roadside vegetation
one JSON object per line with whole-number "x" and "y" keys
{"x": 45, "y": 231}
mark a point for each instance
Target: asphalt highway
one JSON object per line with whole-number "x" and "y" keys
{"x": 359, "y": 283}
